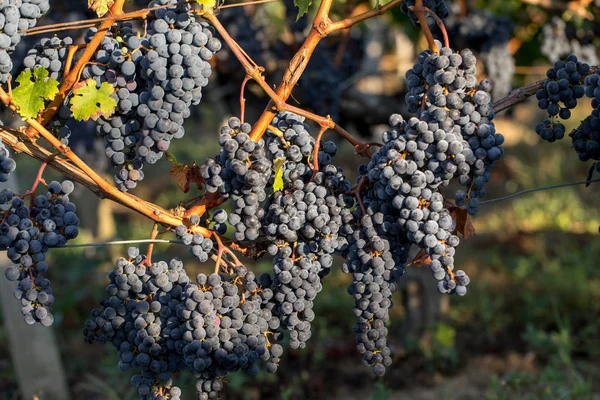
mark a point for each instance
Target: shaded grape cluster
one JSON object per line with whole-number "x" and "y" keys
{"x": 27, "y": 232}
{"x": 559, "y": 95}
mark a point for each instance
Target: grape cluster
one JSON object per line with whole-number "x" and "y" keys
{"x": 200, "y": 246}
{"x": 157, "y": 78}
{"x": 375, "y": 263}
{"x": 586, "y": 138}
{"x": 312, "y": 203}
{"x": 412, "y": 196}
{"x": 550, "y": 130}
{"x": 49, "y": 53}
{"x": 241, "y": 172}
{"x": 27, "y": 233}
{"x": 559, "y": 95}
{"x": 487, "y": 35}
{"x": 16, "y": 16}
{"x": 140, "y": 318}
{"x": 454, "y": 134}
{"x": 7, "y": 164}
{"x": 161, "y": 322}
{"x": 439, "y": 7}
{"x": 559, "y": 40}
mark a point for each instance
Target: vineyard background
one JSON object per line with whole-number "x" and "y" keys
{"x": 528, "y": 327}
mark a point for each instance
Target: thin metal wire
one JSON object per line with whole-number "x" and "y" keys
{"x": 121, "y": 242}
{"x": 140, "y": 241}
{"x": 511, "y": 196}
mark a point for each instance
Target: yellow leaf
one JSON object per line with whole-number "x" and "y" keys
{"x": 278, "y": 183}
{"x": 207, "y": 3}
{"x": 100, "y": 7}
{"x": 90, "y": 101}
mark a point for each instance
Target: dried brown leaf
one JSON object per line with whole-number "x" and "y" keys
{"x": 421, "y": 259}
{"x": 185, "y": 175}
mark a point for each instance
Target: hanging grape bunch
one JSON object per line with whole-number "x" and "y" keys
{"x": 137, "y": 77}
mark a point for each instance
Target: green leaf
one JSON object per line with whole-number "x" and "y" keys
{"x": 29, "y": 96}
{"x": 278, "y": 183}
{"x": 89, "y": 101}
{"x": 303, "y": 6}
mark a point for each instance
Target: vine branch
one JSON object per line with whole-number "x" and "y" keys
{"x": 523, "y": 93}
{"x": 17, "y": 142}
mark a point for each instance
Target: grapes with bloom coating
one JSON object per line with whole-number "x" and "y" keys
{"x": 200, "y": 246}
{"x": 27, "y": 233}
{"x": 16, "y": 16}
{"x": 139, "y": 317}
{"x": 559, "y": 95}
{"x": 7, "y": 164}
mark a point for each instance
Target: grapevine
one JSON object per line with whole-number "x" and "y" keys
{"x": 138, "y": 76}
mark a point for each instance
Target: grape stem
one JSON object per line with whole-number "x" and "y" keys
{"x": 419, "y": 11}
{"x": 221, "y": 250}
{"x": 440, "y": 25}
{"x": 316, "y": 152}
{"x": 153, "y": 236}
{"x": 242, "y": 98}
{"x": 38, "y": 178}
{"x": 356, "y": 192}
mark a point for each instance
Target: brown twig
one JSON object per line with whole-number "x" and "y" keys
{"x": 419, "y": 11}
{"x": 353, "y": 20}
{"x": 153, "y": 236}
{"x": 523, "y": 93}
{"x": 322, "y": 26}
{"x": 243, "y": 98}
{"x": 440, "y": 25}
{"x": 245, "y": 3}
{"x": 68, "y": 62}
{"x": 316, "y": 151}
{"x": 356, "y": 192}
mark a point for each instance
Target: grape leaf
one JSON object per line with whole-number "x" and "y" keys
{"x": 464, "y": 226}
{"x": 303, "y": 6}
{"x": 100, "y": 7}
{"x": 91, "y": 102}
{"x": 29, "y": 96}
{"x": 421, "y": 259}
{"x": 278, "y": 183}
{"x": 207, "y": 3}
{"x": 185, "y": 175}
